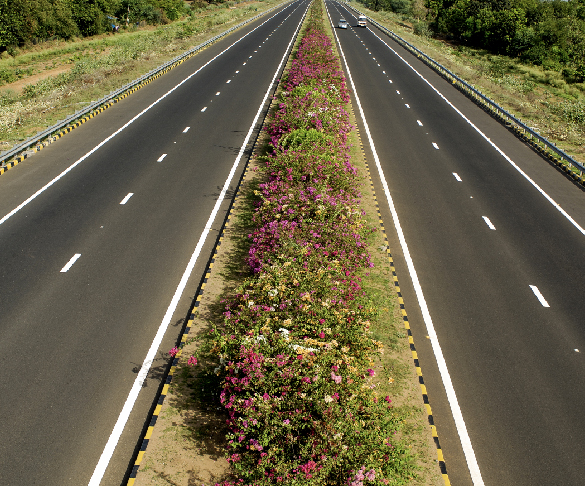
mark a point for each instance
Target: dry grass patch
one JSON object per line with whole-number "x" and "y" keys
{"x": 541, "y": 98}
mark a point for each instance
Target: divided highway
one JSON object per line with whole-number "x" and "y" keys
{"x": 104, "y": 236}
{"x": 488, "y": 241}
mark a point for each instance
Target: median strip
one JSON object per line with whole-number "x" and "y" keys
{"x": 295, "y": 364}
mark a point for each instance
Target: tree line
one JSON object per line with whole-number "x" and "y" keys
{"x": 546, "y": 33}
{"x": 23, "y": 21}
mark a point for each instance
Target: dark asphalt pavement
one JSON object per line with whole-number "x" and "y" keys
{"x": 518, "y": 379}
{"x": 72, "y": 342}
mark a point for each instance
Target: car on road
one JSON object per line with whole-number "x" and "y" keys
{"x": 342, "y": 24}
{"x": 362, "y": 21}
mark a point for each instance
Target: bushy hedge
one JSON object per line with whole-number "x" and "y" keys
{"x": 549, "y": 33}
{"x": 295, "y": 352}
{"x": 24, "y": 21}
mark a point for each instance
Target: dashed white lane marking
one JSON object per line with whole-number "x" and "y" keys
{"x": 383, "y": 72}
{"x": 390, "y": 81}
{"x": 244, "y": 64}
{"x": 419, "y": 123}
{"x": 397, "y": 92}
{"x": 250, "y": 57}
{"x": 237, "y": 72}
{"x": 407, "y": 105}
{"x": 438, "y": 352}
{"x": 151, "y": 355}
{"x": 435, "y": 145}
{"x": 161, "y": 158}
{"x": 539, "y": 296}
{"x": 228, "y": 81}
{"x": 577, "y": 351}
{"x": 70, "y": 263}
{"x": 128, "y": 196}
{"x": 217, "y": 94}
{"x": 457, "y": 177}
{"x": 203, "y": 109}
{"x": 489, "y": 223}
{"x": 477, "y": 473}
{"x": 378, "y": 65}
{"x": 187, "y": 128}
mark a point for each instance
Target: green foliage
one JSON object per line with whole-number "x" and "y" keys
{"x": 422, "y": 28}
{"x": 572, "y": 112}
{"x": 24, "y": 21}
{"x": 550, "y": 34}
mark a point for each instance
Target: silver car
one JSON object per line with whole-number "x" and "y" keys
{"x": 342, "y": 24}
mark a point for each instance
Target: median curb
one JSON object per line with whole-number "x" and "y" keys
{"x": 185, "y": 334}
{"x": 572, "y": 168}
{"x": 425, "y": 397}
{"x": 198, "y": 295}
{"x": 136, "y": 85}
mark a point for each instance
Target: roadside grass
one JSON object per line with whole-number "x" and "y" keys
{"x": 189, "y": 440}
{"x": 395, "y": 372}
{"x": 541, "y": 98}
{"x": 93, "y": 67}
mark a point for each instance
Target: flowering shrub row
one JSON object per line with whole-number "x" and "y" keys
{"x": 295, "y": 352}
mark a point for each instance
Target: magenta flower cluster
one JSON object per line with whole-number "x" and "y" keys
{"x": 295, "y": 349}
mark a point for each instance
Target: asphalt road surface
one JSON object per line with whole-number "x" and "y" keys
{"x": 491, "y": 270}
{"x": 104, "y": 236}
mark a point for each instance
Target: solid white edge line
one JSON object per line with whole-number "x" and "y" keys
{"x": 438, "y": 352}
{"x": 457, "y": 177}
{"x": 539, "y": 296}
{"x": 161, "y": 158}
{"x": 70, "y": 263}
{"x": 128, "y": 196}
{"x": 106, "y": 140}
{"x": 489, "y": 223}
{"x": 104, "y": 460}
{"x": 484, "y": 136}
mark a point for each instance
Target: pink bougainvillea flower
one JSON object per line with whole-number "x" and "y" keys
{"x": 173, "y": 352}
{"x": 192, "y": 361}
{"x": 371, "y": 372}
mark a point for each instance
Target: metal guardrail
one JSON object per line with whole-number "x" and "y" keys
{"x": 40, "y": 136}
{"x": 518, "y": 125}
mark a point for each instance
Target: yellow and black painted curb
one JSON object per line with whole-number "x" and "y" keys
{"x": 192, "y": 314}
{"x": 17, "y": 160}
{"x": 423, "y": 387}
{"x": 37, "y": 148}
{"x": 14, "y": 162}
{"x": 572, "y": 172}
{"x": 186, "y": 331}
{"x": 552, "y": 157}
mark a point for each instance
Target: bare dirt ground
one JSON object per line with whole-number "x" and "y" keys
{"x": 19, "y": 85}
{"x": 188, "y": 443}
